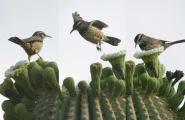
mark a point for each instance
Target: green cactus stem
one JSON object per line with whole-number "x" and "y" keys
{"x": 96, "y": 71}
{"x": 117, "y": 60}
{"x": 119, "y": 88}
{"x": 8, "y": 89}
{"x": 21, "y": 112}
{"x": 152, "y": 110}
{"x": 153, "y": 86}
{"x": 130, "y": 68}
{"x": 109, "y": 79}
{"x": 141, "y": 109}
{"x": 82, "y": 85}
{"x": 8, "y": 108}
{"x": 34, "y": 93}
{"x": 122, "y": 102}
{"x": 163, "y": 108}
{"x": 167, "y": 88}
{"x": 150, "y": 58}
{"x": 175, "y": 100}
{"x": 35, "y": 75}
{"x": 139, "y": 69}
{"x": 50, "y": 79}
{"x": 22, "y": 81}
{"x": 130, "y": 111}
{"x": 70, "y": 86}
{"x": 94, "y": 105}
{"x": 107, "y": 108}
{"x": 181, "y": 111}
{"x": 47, "y": 106}
{"x": 118, "y": 111}
{"x": 73, "y": 112}
{"x": 55, "y": 67}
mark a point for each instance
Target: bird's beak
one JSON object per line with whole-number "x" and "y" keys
{"x": 72, "y": 31}
{"x": 48, "y": 36}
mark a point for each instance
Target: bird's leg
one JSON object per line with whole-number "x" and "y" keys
{"x": 39, "y": 56}
{"x": 98, "y": 46}
{"x": 29, "y": 58}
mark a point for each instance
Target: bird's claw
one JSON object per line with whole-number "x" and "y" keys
{"x": 98, "y": 48}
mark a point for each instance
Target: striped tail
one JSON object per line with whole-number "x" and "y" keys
{"x": 16, "y": 40}
{"x": 173, "y": 43}
{"x": 112, "y": 40}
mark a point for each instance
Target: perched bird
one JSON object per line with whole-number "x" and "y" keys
{"x": 31, "y": 45}
{"x": 91, "y": 31}
{"x": 148, "y": 43}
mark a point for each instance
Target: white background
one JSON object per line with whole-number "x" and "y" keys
{"x": 126, "y": 18}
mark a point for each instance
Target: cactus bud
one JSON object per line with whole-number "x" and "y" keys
{"x": 150, "y": 58}
{"x": 130, "y": 68}
{"x": 82, "y": 85}
{"x": 117, "y": 60}
{"x": 119, "y": 88}
{"x": 70, "y": 85}
{"x": 96, "y": 71}
{"x": 177, "y": 75}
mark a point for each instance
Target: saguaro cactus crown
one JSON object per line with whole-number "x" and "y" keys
{"x": 124, "y": 92}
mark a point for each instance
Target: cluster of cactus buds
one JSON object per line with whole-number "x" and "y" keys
{"x": 125, "y": 91}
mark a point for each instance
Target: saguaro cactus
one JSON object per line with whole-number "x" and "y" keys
{"x": 124, "y": 91}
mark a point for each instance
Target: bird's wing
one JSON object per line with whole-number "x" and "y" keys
{"x": 98, "y": 24}
{"x": 76, "y": 17}
{"x": 31, "y": 39}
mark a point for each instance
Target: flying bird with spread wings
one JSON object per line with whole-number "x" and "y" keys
{"x": 91, "y": 31}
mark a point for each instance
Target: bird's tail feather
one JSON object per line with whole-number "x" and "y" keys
{"x": 175, "y": 42}
{"x": 16, "y": 40}
{"x": 112, "y": 40}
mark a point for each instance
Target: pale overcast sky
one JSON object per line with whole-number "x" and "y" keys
{"x": 126, "y": 18}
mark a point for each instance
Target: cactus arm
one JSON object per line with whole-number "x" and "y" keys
{"x": 8, "y": 89}
{"x": 54, "y": 66}
{"x": 8, "y": 107}
{"x": 130, "y": 67}
{"x": 95, "y": 110}
{"x": 150, "y": 58}
{"x": 118, "y": 111}
{"x": 163, "y": 108}
{"x": 82, "y": 85}
{"x": 175, "y": 100}
{"x": 22, "y": 113}
{"x": 73, "y": 111}
{"x": 130, "y": 114}
{"x": 181, "y": 112}
{"x": 141, "y": 109}
{"x": 21, "y": 78}
{"x": 107, "y": 108}
{"x": 35, "y": 75}
{"x": 70, "y": 86}
{"x": 152, "y": 110}
{"x": 96, "y": 71}
{"x": 117, "y": 60}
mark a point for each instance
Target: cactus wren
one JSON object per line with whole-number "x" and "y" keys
{"x": 31, "y": 45}
{"x": 91, "y": 31}
{"x": 148, "y": 43}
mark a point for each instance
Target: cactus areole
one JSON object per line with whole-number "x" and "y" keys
{"x": 125, "y": 91}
